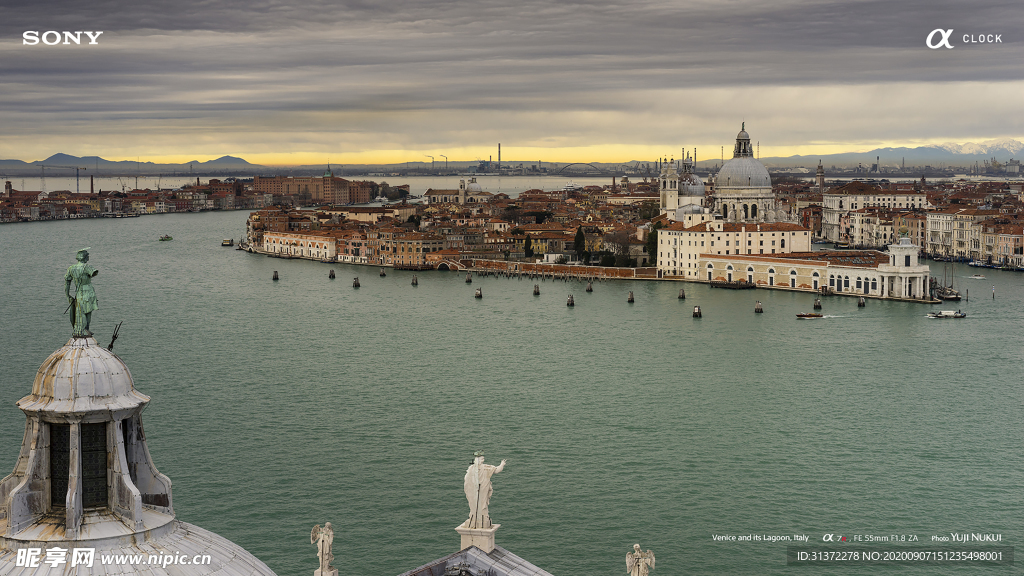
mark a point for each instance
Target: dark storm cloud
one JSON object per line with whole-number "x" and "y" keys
{"x": 221, "y": 62}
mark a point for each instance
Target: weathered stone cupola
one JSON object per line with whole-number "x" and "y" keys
{"x": 84, "y": 451}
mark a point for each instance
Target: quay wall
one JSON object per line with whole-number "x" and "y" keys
{"x": 562, "y": 270}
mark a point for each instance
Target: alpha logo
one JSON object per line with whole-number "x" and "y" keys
{"x": 53, "y": 37}
{"x": 943, "y": 42}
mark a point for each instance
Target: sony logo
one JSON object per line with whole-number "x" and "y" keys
{"x": 52, "y": 37}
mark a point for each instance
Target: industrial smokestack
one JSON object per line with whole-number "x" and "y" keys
{"x": 499, "y": 155}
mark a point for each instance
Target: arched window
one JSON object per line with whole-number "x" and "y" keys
{"x": 792, "y": 278}
{"x": 725, "y": 210}
{"x": 750, "y": 274}
{"x": 874, "y": 284}
{"x": 753, "y": 211}
{"x": 832, "y": 280}
{"x": 746, "y": 211}
{"x": 858, "y": 282}
{"x": 771, "y": 276}
{"x": 846, "y": 282}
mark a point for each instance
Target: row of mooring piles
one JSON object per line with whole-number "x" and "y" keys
{"x": 355, "y": 282}
{"x": 696, "y": 312}
{"x": 479, "y": 293}
{"x": 570, "y": 302}
{"x": 757, "y": 307}
{"x": 331, "y": 275}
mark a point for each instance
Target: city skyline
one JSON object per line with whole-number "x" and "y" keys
{"x": 280, "y": 84}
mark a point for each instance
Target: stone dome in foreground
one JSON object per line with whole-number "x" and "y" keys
{"x": 85, "y": 480}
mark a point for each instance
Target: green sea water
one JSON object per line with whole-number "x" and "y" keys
{"x": 280, "y": 405}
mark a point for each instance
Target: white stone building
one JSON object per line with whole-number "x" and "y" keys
{"x": 680, "y": 246}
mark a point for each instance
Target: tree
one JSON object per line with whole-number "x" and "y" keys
{"x": 528, "y": 247}
{"x": 649, "y": 210}
{"x": 619, "y": 243}
{"x": 579, "y": 243}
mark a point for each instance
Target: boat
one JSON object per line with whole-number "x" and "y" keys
{"x": 947, "y": 314}
{"x": 227, "y": 242}
{"x": 165, "y": 238}
{"x": 809, "y": 315}
{"x": 976, "y": 277}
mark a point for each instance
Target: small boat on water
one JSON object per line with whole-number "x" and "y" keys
{"x": 166, "y": 237}
{"x": 977, "y": 276}
{"x": 227, "y": 242}
{"x": 947, "y": 314}
{"x": 809, "y": 315}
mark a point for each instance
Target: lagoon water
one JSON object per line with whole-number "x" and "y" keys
{"x": 280, "y": 405}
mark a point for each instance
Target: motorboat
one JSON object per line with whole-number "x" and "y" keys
{"x": 166, "y": 237}
{"x": 227, "y": 242}
{"x": 977, "y": 277}
{"x": 947, "y": 314}
{"x": 809, "y": 315}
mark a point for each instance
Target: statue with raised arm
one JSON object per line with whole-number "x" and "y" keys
{"x": 639, "y": 563}
{"x": 82, "y": 304}
{"x": 478, "y": 490}
{"x": 324, "y": 540}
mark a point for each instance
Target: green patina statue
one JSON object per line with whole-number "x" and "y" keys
{"x": 83, "y": 302}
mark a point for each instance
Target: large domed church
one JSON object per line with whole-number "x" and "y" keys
{"x": 743, "y": 188}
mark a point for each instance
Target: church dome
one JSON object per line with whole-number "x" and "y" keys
{"x": 690, "y": 185}
{"x": 474, "y": 188}
{"x": 743, "y": 172}
{"x": 80, "y": 377}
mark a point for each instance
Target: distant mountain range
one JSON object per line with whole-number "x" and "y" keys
{"x": 63, "y": 164}
{"x": 948, "y": 154}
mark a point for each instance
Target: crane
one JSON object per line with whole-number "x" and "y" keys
{"x": 43, "y": 167}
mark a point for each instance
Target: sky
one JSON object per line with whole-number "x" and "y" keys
{"x": 360, "y": 81}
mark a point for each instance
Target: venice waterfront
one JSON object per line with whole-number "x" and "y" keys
{"x": 280, "y": 405}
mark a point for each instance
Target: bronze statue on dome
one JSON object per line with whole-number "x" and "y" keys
{"x": 83, "y": 303}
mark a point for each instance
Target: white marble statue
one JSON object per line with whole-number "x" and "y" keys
{"x": 324, "y": 540}
{"x": 639, "y": 563}
{"x": 478, "y": 490}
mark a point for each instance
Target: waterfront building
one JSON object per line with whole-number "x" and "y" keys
{"x": 314, "y": 244}
{"x": 326, "y": 189}
{"x": 85, "y": 488}
{"x": 896, "y": 274}
{"x": 680, "y": 247}
{"x": 949, "y": 230}
{"x": 839, "y": 201}
{"x": 409, "y": 249}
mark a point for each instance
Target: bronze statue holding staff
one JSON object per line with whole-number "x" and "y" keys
{"x": 83, "y": 302}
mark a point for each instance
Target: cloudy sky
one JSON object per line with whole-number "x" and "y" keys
{"x": 364, "y": 81}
